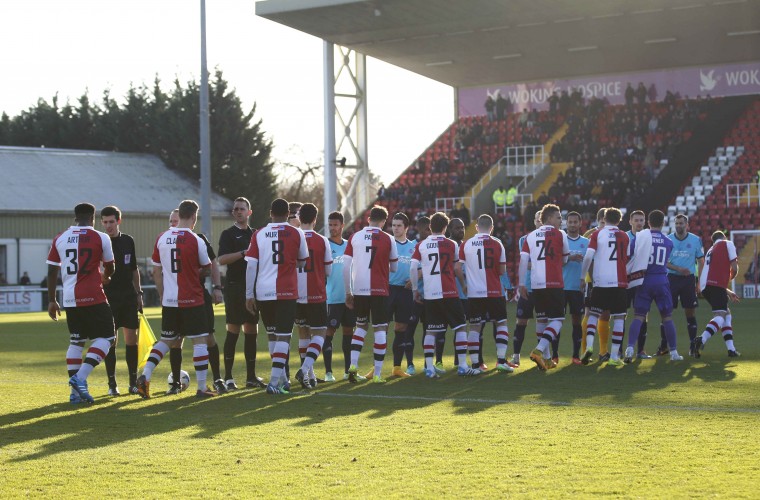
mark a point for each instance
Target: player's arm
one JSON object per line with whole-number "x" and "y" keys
{"x": 588, "y": 259}
{"x": 523, "y": 273}
{"x": 460, "y": 276}
{"x": 158, "y": 279}
{"x": 227, "y": 255}
{"x": 347, "y": 261}
{"x": 303, "y": 251}
{"x": 216, "y": 282}
{"x": 393, "y": 263}
{"x": 701, "y": 264}
{"x": 138, "y": 287}
{"x": 54, "y": 310}
{"x": 251, "y": 274}
{"x": 108, "y": 269}
{"x": 414, "y": 266}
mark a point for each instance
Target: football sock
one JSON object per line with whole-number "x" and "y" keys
{"x": 691, "y": 327}
{"x": 74, "y": 359}
{"x": 357, "y": 342}
{"x": 603, "y": 328}
{"x": 642, "y": 337}
{"x": 303, "y": 344}
{"x": 428, "y": 346}
{"x": 110, "y": 363}
{"x": 633, "y": 331}
{"x": 584, "y": 328}
{"x": 213, "y": 361}
{"x": 200, "y": 362}
{"x": 664, "y": 338}
{"x": 157, "y": 353}
{"x": 409, "y": 346}
{"x": 287, "y": 359}
{"x": 577, "y": 334}
{"x": 502, "y": 343}
{"x": 480, "y": 342}
{"x": 175, "y": 361}
{"x": 327, "y": 352}
{"x": 555, "y": 346}
{"x": 713, "y": 326}
{"x": 279, "y": 355}
{"x": 379, "y": 348}
{"x": 131, "y": 357}
{"x": 346, "y": 347}
{"x": 728, "y": 333}
{"x": 271, "y": 343}
{"x": 618, "y": 332}
{"x": 440, "y": 345}
{"x": 399, "y": 340}
{"x": 312, "y": 353}
{"x": 95, "y": 355}
{"x": 230, "y": 342}
{"x": 591, "y": 331}
{"x": 473, "y": 347}
{"x": 519, "y": 338}
{"x": 670, "y": 334}
{"x": 249, "y": 350}
{"x": 460, "y": 347}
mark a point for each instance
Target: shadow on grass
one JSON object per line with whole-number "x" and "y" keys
{"x": 114, "y": 421}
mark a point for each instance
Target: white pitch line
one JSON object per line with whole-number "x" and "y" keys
{"x": 545, "y": 403}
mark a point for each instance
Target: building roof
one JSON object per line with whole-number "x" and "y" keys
{"x": 486, "y": 42}
{"x": 46, "y": 179}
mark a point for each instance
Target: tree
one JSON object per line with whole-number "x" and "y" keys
{"x": 164, "y": 124}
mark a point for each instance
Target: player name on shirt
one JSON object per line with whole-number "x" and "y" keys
{"x": 82, "y": 248}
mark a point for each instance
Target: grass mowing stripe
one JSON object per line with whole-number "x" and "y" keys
{"x": 543, "y": 403}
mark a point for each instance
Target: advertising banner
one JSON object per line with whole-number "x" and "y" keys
{"x": 19, "y": 300}
{"x": 717, "y": 81}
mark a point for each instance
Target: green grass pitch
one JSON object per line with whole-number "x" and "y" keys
{"x": 652, "y": 429}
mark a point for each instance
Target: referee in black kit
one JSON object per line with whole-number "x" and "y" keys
{"x": 233, "y": 243}
{"x": 125, "y": 297}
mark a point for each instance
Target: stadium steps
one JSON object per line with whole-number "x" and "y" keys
{"x": 555, "y": 170}
{"x": 482, "y": 190}
{"x": 707, "y": 136}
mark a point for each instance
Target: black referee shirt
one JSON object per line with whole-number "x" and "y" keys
{"x": 211, "y": 254}
{"x": 235, "y": 240}
{"x": 125, "y": 260}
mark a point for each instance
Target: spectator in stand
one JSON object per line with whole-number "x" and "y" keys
{"x": 564, "y": 103}
{"x": 461, "y": 212}
{"x": 490, "y": 106}
{"x": 629, "y": 95}
{"x": 25, "y": 279}
{"x": 553, "y": 102}
{"x": 641, "y": 94}
{"x": 652, "y": 93}
{"x": 501, "y": 107}
{"x": 381, "y": 192}
{"x": 511, "y": 197}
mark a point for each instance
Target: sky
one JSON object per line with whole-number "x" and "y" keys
{"x": 69, "y": 46}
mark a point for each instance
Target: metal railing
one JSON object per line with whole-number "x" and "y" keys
{"x": 448, "y": 204}
{"x": 743, "y": 195}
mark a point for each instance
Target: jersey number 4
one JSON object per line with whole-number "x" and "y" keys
{"x": 543, "y": 251}
{"x": 444, "y": 260}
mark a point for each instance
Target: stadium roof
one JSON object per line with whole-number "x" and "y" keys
{"x": 485, "y": 42}
{"x": 41, "y": 179}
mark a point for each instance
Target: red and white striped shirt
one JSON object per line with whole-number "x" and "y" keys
{"x": 610, "y": 249}
{"x": 547, "y": 248}
{"x": 482, "y": 257}
{"x": 83, "y": 248}
{"x": 312, "y": 282}
{"x": 181, "y": 254}
{"x": 277, "y": 248}
{"x": 371, "y": 251}
{"x": 717, "y": 269}
{"x": 437, "y": 256}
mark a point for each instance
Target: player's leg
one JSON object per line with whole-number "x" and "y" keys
{"x": 74, "y": 351}
{"x": 130, "y": 347}
{"x": 110, "y": 364}
{"x": 433, "y": 326}
{"x": 169, "y": 335}
{"x": 618, "y": 309}
{"x": 411, "y": 328}
{"x": 524, "y": 314}
{"x": 230, "y": 343}
{"x": 379, "y": 310}
{"x": 362, "y": 308}
{"x": 634, "y": 330}
{"x": 201, "y": 364}
{"x": 641, "y": 301}
{"x": 478, "y": 311}
{"x": 97, "y": 325}
{"x": 175, "y": 364}
{"x": 728, "y": 335}
{"x": 399, "y": 346}
{"x": 281, "y": 318}
{"x": 718, "y": 300}
{"x": 690, "y": 303}
{"x": 603, "y": 329}
{"x": 594, "y": 313}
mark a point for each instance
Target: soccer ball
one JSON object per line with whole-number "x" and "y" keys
{"x": 184, "y": 379}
